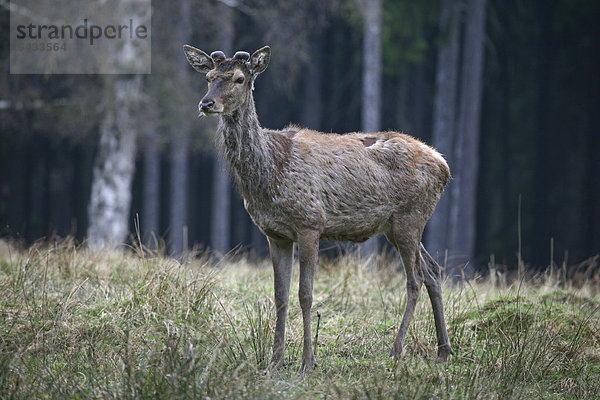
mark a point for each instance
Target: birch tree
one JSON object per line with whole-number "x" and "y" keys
{"x": 114, "y": 165}
{"x": 108, "y": 210}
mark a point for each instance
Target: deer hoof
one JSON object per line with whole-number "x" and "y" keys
{"x": 397, "y": 352}
{"x": 307, "y": 367}
{"x": 443, "y": 353}
{"x": 276, "y": 365}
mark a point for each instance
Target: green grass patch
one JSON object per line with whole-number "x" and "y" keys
{"x": 119, "y": 325}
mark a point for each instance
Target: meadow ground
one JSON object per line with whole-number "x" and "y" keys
{"x": 74, "y": 324}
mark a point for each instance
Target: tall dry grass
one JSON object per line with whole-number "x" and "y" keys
{"x": 132, "y": 324}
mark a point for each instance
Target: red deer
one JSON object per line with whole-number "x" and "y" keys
{"x": 303, "y": 186}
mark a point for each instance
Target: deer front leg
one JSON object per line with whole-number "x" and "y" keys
{"x": 282, "y": 253}
{"x": 308, "y": 249}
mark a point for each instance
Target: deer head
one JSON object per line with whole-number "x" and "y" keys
{"x": 230, "y": 80}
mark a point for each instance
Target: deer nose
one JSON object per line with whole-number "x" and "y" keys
{"x": 206, "y": 105}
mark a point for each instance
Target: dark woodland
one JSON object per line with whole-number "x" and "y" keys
{"x": 507, "y": 90}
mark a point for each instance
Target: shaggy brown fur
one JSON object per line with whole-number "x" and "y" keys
{"x": 303, "y": 186}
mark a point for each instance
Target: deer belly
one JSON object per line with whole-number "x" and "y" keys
{"x": 355, "y": 228}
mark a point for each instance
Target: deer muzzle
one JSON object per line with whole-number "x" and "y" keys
{"x": 206, "y": 105}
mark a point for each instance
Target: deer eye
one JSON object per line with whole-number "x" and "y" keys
{"x": 240, "y": 80}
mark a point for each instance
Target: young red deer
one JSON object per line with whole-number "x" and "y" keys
{"x": 301, "y": 186}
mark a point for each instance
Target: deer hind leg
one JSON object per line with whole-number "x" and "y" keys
{"x": 282, "y": 253}
{"x": 308, "y": 250}
{"x": 414, "y": 280}
{"x": 432, "y": 276}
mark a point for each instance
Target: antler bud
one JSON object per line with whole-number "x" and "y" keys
{"x": 217, "y": 56}
{"x": 241, "y": 56}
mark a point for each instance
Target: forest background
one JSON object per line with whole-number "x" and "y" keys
{"x": 507, "y": 90}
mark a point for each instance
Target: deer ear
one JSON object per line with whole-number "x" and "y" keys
{"x": 259, "y": 60}
{"x": 198, "y": 59}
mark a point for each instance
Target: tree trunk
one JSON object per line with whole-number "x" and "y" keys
{"x": 402, "y": 101}
{"x": 38, "y": 225}
{"x": 546, "y": 168}
{"x": 371, "y": 85}
{"x": 220, "y": 237}
{"x": 221, "y": 204}
{"x": 312, "y": 107}
{"x": 444, "y": 117}
{"x": 178, "y": 190}
{"x": 466, "y": 149}
{"x": 593, "y": 189}
{"x": 179, "y": 149}
{"x": 114, "y": 165}
{"x": 150, "y": 220}
{"x": 18, "y": 191}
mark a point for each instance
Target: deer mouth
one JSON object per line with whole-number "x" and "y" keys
{"x": 209, "y": 112}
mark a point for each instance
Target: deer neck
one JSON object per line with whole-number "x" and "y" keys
{"x": 245, "y": 146}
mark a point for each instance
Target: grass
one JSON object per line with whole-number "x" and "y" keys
{"x": 121, "y": 325}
